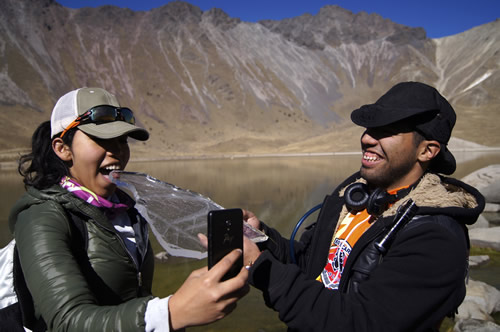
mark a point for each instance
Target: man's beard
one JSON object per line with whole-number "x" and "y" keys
{"x": 385, "y": 178}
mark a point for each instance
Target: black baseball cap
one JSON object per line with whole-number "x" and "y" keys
{"x": 424, "y": 107}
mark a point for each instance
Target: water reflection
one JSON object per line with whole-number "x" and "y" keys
{"x": 274, "y": 188}
{"x": 278, "y": 190}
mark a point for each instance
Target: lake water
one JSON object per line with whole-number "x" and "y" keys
{"x": 279, "y": 190}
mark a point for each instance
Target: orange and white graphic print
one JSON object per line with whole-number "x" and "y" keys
{"x": 348, "y": 233}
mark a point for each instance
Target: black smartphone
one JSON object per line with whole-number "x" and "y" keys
{"x": 225, "y": 233}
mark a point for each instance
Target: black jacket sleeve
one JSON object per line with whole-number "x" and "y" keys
{"x": 420, "y": 280}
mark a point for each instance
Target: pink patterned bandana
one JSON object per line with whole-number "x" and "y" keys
{"x": 111, "y": 209}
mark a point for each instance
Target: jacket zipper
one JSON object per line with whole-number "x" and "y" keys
{"x": 136, "y": 264}
{"x": 139, "y": 278}
{"x": 365, "y": 240}
{"x": 114, "y": 231}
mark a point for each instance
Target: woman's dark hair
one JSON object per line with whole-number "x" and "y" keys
{"x": 42, "y": 168}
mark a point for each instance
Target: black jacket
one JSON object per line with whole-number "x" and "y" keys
{"x": 419, "y": 281}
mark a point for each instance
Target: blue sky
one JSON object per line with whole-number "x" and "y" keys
{"x": 438, "y": 17}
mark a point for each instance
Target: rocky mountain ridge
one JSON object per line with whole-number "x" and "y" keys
{"x": 205, "y": 83}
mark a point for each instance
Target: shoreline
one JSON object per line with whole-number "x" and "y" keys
{"x": 246, "y": 155}
{"x": 10, "y": 162}
{"x": 285, "y": 155}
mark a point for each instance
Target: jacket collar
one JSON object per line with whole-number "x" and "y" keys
{"x": 435, "y": 194}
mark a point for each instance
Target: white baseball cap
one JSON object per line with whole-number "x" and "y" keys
{"x": 75, "y": 103}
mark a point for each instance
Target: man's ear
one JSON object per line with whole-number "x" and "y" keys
{"x": 61, "y": 149}
{"x": 428, "y": 150}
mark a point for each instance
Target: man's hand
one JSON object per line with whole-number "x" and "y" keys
{"x": 250, "y": 252}
{"x": 251, "y": 218}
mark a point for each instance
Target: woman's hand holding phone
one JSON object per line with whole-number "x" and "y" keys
{"x": 203, "y": 298}
{"x": 225, "y": 233}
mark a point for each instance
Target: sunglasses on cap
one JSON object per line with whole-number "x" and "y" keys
{"x": 100, "y": 114}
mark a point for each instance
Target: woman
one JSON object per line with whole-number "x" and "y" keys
{"x": 108, "y": 287}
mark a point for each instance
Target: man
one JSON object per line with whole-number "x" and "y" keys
{"x": 361, "y": 267}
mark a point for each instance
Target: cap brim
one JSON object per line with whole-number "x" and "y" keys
{"x": 114, "y": 129}
{"x": 373, "y": 115}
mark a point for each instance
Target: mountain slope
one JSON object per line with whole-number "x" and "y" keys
{"x": 204, "y": 83}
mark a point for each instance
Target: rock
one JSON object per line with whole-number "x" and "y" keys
{"x": 162, "y": 256}
{"x": 407, "y": 35}
{"x": 220, "y": 19}
{"x": 475, "y": 325}
{"x": 492, "y": 207}
{"x": 483, "y": 177}
{"x": 487, "y": 181}
{"x": 492, "y": 192}
{"x": 481, "y": 222}
{"x": 480, "y": 301}
{"x": 478, "y": 260}
{"x": 485, "y": 237}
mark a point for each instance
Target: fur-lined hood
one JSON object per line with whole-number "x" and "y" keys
{"x": 436, "y": 194}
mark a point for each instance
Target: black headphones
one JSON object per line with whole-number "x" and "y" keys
{"x": 358, "y": 197}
